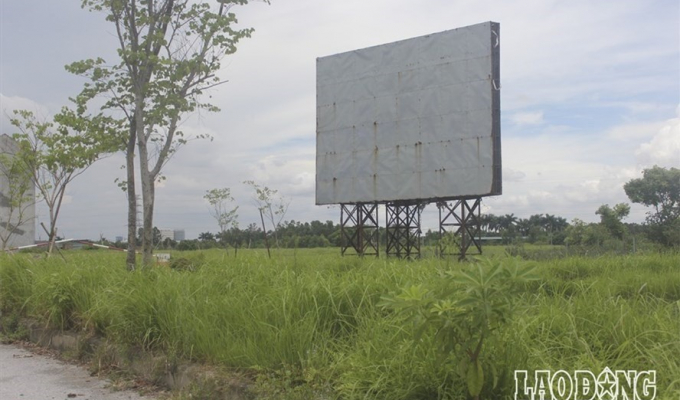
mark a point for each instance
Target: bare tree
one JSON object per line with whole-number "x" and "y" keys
{"x": 271, "y": 204}
{"x": 220, "y": 201}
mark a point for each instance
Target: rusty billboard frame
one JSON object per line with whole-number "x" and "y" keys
{"x": 359, "y": 229}
{"x": 402, "y": 229}
{"x": 462, "y": 218}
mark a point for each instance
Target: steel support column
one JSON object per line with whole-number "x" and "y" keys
{"x": 461, "y": 219}
{"x": 359, "y": 228}
{"x": 403, "y": 230}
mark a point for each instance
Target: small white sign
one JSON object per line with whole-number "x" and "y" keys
{"x": 162, "y": 257}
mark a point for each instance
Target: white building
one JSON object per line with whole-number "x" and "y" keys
{"x": 167, "y": 234}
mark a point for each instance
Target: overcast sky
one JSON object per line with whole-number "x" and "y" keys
{"x": 590, "y": 97}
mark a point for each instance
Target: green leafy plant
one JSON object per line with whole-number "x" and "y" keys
{"x": 478, "y": 303}
{"x": 312, "y": 327}
{"x": 449, "y": 243}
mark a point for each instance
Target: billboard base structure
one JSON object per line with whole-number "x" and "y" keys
{"x": 359, "y": 228}
{"x": 462, "y": 219}
{"x": 403, "y": 229}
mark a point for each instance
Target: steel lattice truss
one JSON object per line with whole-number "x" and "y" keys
{"x": 461, "y": 218}
{"x": 359, "y": 228}
{"x": 403, "y": 230}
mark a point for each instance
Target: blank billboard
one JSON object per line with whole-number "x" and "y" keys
{"x": 414, "y": 120}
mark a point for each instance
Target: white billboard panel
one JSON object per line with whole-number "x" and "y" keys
{"x": 414, "y": 120}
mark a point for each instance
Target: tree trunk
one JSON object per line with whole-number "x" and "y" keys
{"x": 55, "y": 207}
{"x": 264, "y": 230}
{"x": 271, "y": 217}
{"x": 148, "y": 194}
{"x": 131, "y": 260}
{"x": 51, "y": 238}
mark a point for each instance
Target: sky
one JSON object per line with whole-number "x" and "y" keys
{"x": 590, "y": 96}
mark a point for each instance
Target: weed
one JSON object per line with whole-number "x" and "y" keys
{"x": 309, "y": 324}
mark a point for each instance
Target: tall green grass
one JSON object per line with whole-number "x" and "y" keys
{"x": 315, "y": 313}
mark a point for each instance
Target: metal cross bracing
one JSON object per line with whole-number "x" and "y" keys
{"x": 462, "y": 219}
{"x": 359, "y": 228}
{"x": 403, "y": 230}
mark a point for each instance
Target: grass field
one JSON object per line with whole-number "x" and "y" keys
{"x": 312, "y": 324}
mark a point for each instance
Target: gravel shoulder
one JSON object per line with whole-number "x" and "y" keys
{"x": 26, "y": 375}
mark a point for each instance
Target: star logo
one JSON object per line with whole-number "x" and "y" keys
{"x": 606, "y": 385}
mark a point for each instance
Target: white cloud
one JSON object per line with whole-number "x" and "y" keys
{"x": 527, "y": 118}
{"x": 10, "y": 103}
{"x": 635, "y": 131}
{"x": 664, "y": 148}
{"x": 587, "y": 101}
{"x": 511, "y": 175}
{"x": 291, "y": 175}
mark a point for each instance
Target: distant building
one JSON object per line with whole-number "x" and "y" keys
{"x": 167, "y": 234}
{"x": 119, "y": 239}
{"x": 173, "y": 234}
{"x": 19, "y": 220}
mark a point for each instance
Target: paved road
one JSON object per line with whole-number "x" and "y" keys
{"x": 28, "y": 376}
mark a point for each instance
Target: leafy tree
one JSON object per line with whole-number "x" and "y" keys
{"x": 580, "y": 233}
{"x": 54, "y": 154}
{"x": 508, "y": 227}
{"x": 169, "y": 54}
{"x": 524, "y": 226}
{"x": 537, "y": 228}
{"x": 595, "y": 235}
{"x": 611, "y": 218}
{"x": 659, "y": 188}
{"x": 156, "y": 236}
{"x": 509, "y": 234}
{"x": 507, "y": 221}
{"x": 221, "y": 210}
{"x": 251, "y": 232}
{"x": 17, "y": 198}
{"x": 206, "y": 237}
{"x": 234, "y": 236}
{"x": 553, "y": 224}
{"x": 185, "y": 245}
{"x": 169, "y": 244}
{"x": 575, "y": 232}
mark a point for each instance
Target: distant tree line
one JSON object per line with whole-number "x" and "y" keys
{"x": 292, "y": 234}
{"x": 611, "y": 233}
{"x": 538, "y": 228}
{"x": 659, "y": 188}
